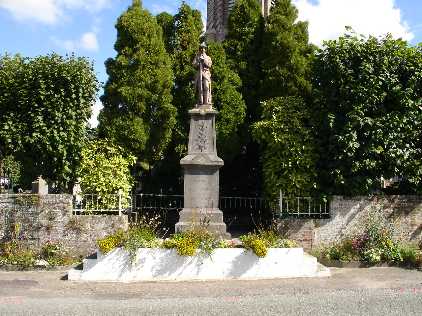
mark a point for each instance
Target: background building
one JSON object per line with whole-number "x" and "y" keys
{"x": 218, "y": 15}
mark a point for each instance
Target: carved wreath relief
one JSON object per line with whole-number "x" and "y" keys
{"x": 201, "y": 139}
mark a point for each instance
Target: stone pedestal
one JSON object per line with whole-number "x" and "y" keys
{"x": 201, "y": 176}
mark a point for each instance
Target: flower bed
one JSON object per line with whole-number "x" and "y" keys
{"x": 156, "y": 264}
{"x": 376, "y": 244}
{"x": 138, "y": 255}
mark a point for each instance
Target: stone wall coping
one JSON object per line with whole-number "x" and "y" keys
{"x": 379, "y": 197}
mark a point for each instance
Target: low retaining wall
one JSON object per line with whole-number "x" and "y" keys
{"x": 166, "y": 265}
{"x": 348, "y": 215}
{"x": 39, "y": 219}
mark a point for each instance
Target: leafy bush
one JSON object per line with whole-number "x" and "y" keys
{"x": 288, "y": 146}
{"x": 286, "y": 243}
{"x": 55, "y": 255}
{"x": 376, "y": 244}
{"x": 255, "y": 243}
{"x": 226, "y": 244}
{"x": 365, "y": 113}
{"x": 265, "y": 238}
{"x": 187, "y": 243}
{"x": 410, "y": 255}
{"x": 13, "y": 253}
{"x": 140, "y": 237}
{"x": 104, "y": 171}
{"x": 110, "y": 242}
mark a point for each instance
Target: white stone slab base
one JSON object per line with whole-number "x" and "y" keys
{"x": 167, "y": 265}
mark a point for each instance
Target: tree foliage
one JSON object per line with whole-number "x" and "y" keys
{"x": 285, "y": 53}
{"x": 104, "y": 171}
{"x": 242, "y": 44}
{"x": 289, "y": 154}
{"x": 185, "y": 40}
{"x": 368, "y": 109}
{"x": 138, "y": 113}
{"x": 166, "y": 21}
{"x": 185, "y": 43}
{"x": 228, "y": 101}
{"x": 45, "y": 104}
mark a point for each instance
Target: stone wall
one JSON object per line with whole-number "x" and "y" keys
{"x": 43, "y": 218}
{"x": 348, "y": 215}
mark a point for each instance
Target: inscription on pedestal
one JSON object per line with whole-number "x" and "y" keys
{"x": 201, "y": 187}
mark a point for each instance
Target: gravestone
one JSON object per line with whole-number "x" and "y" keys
{"x": 201, "y": 165}
{"x": 39, "y": 186}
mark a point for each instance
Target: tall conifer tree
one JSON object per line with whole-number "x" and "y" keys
{"x": 186, "y": 39}
{"x": 242, "y": 45}
{"x": 284, "y": 134}
{"x": 285, "y": 53}
{"x": 138, "y": 113}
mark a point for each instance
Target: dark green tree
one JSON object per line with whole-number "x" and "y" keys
{"x": 369, "y": 116}
{"x": 228, "y": 101}
{"x": 183, "y": 43}
{"x": 165, "y": 20}
{"x": 285, "y": 53}
{"x": 242, "y": 44}
{"x": 45, "y": 104}
{"x": 138, "y": 113}
{"x": 289, "y": 153}
{"x": 188, "y": 28}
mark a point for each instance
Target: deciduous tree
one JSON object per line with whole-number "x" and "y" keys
{"x": 45, "y": 104}
{"x": 368, "y": 109}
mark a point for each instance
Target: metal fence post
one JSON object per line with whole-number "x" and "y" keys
{"x": 120, "y": 202}
{"x": 281, "y": 203}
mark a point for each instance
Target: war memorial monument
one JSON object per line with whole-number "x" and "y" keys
{"x": 201, "y": 165}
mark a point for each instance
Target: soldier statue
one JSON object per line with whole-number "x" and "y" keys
{"x": 203, "y": 78}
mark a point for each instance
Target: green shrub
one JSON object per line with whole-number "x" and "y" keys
{"x": 13, "y": 253}
{"x": 187, "y": 243}
{"x": 342, "y": 251}
{"x": 286, "y": 243}
{"x": 187, "y": 246}
{"x": 372, "y": 255}
{"x": 104, "y": 172}
{"x": 255, "y": 243}
{"x": 110, "y": 242}
{"x": 263, "y": 239}
{"x": 55, "y": 255}
{"x": 409, "y": 255}
{"x": 226, "y": 244}
{"x": 140, "y": 237}
{"x": 23, "y": 258}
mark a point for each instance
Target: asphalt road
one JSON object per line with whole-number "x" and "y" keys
{"x": 375, "y": 291}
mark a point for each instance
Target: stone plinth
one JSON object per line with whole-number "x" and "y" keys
{"x": 201, "y": 176}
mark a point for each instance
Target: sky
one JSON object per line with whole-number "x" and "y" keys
{"x": 86, "y": 27}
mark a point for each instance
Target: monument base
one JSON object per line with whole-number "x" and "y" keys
{"x": 201, "y": 176}
{"x": 210, "y": 219}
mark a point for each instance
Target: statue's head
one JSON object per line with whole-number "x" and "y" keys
{"x": 203, "y": 48}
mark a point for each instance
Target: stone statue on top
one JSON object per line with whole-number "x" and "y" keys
{"x": 203, "y": 63}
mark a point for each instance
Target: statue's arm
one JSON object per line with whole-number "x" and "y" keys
{"x": 196, "y": 61}
{"x": 208, "y": 62}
